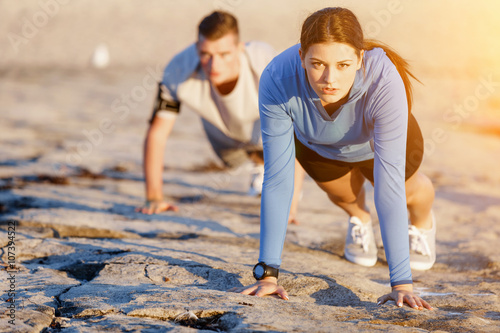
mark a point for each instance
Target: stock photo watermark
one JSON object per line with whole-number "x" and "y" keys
{"x": 32, "y": 24}
{"x": 11, "y": 269}
{"x": 212, "y": 188}
{"x": 226, "y": 4}
{"x": 382, "y": 18}
{"x": 460, "y": 111}
{"x": 120, "y": 109}
{"x": 484, "y": 89}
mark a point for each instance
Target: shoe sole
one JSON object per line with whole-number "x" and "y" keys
{"x": 361, "y": 261}
{"x": 421, "y": 266}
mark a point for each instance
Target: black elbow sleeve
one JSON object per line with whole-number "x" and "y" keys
{"x": 162, "y": 104}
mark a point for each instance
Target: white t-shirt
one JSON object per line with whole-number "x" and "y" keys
{"x": 233, "y": 114}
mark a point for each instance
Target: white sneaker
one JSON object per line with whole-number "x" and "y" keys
{"x": 422, "y": 247}
{"x": 256, "y": 181}
{"x": 360, "y": 245}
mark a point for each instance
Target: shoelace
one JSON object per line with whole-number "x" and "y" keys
{"x": 418, "y": 241}
{"x": 359, "y": 234}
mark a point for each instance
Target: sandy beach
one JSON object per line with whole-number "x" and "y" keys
{"x": 82, "y": 260}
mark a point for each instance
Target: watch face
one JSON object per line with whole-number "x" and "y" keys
{"x": 259, "y": 271}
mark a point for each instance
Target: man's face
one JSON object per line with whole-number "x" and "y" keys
{"x": 220, "y": 58}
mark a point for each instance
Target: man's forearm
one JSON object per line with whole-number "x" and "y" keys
{"x": 153, "y": 167}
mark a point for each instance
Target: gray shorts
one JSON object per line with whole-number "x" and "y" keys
{"x": 232, "y": 152}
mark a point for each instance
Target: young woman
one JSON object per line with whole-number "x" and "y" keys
{"x": 342, "y": 106}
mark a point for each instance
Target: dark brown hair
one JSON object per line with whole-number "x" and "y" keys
{"x": 340, "y": 25}
{"x": 217, "y": 25}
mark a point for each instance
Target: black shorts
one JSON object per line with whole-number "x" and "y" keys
{"x": 322, "y": 169}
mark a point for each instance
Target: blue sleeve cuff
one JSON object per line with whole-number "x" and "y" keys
{"x": 397, "y": 283}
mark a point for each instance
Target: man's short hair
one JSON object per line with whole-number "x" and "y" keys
{"x": 217, "y": 25}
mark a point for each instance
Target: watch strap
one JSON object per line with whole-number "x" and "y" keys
{"x": 268, "y": 271}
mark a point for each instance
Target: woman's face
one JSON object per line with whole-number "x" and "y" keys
{"x": 331, "y": 69}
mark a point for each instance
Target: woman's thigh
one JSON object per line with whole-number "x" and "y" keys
{"x": 345, "y": 188}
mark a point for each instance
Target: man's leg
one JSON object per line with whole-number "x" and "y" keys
{"x": 235, "y": 154}
{"x": 230, "y": 151}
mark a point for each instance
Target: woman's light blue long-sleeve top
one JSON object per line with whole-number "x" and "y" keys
{"x": 372, "y": 124}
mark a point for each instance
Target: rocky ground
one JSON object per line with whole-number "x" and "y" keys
{"x": 83, "y": 260}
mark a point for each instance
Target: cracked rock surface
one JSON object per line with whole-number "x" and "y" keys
{"x": 85, "y": 261}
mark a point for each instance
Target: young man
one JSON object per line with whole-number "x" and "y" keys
{"x": 218, "y": 77}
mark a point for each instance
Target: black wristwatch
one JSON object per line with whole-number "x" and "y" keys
{"x": 261, "y": 270}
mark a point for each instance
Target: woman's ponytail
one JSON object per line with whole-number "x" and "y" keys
{"x": 401, "y": 65}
